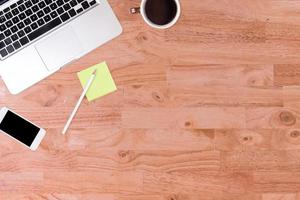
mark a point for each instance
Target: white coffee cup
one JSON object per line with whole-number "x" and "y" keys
{"x": 142, "y": 11}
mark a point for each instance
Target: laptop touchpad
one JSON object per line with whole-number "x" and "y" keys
{"x": 60, "y": 48}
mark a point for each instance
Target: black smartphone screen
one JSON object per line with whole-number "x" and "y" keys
{"x": 19, "y": 128}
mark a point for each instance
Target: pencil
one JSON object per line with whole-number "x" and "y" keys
{"x": 87, "y": 86}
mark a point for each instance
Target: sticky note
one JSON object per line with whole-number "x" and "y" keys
{"x": 103, "y": 83}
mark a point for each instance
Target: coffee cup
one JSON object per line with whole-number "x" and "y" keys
{"x": 160, "y": 14}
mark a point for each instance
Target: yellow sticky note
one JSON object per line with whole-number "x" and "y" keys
{"x": 103, "y": 83}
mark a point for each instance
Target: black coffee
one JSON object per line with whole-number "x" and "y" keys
{"x": 161, "y": 12}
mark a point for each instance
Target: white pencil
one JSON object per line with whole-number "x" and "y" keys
{"x": 87, "y": 86}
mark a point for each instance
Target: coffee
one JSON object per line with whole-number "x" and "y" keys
{"x": 161, "y": 12}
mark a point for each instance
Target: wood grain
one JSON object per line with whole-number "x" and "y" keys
{"x": 208, "y": 109}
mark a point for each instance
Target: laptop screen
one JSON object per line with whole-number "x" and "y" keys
{"x": 3, "y": 1}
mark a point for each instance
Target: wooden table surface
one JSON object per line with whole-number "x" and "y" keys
{"x": 209, "y": 109}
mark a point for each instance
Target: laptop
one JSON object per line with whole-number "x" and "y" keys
{"x": 38, "y": 37}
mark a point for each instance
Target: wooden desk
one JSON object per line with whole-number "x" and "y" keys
{"x": 209, "y": 109}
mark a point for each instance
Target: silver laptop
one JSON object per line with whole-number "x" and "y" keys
{"x": 38, "y": 37}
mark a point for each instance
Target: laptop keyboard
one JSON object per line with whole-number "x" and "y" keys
{"x": 27, "y": 20}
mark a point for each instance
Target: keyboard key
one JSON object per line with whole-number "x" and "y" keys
{"x": 2, "y": 19}
{"x": 8, "y": 15}
{"x": 47, "y": 10}
{"x": 72, "y": 13}
{"x": 20, "y": 2}
{"x": 8, "y": 41}
{"x": 8, "y": 23}
{"x": 14, "y": 37}
{"x": 53, "y": 6}
{"x": 53, "y": 14}
{"x": 59, "y": 2}
{"x": 7, "y": 33}
{"x": 40, "y": 14}
{"x": 40, "y": 22}
{"x": 28, "y": 12}
{"x": 20, "y": 25}
{"x": 67, "y": 7}
{"x": 33, "y": 17}
{"x": 65, "y": 17}
{"x": 42, "y": 5}
{"x": 21, "y": 33}
{"x": 34, "y": 26}
{"x": 16, "y": 45}
{"x": 24, "y": 41}
{"x": 1, "y": 36}
{"x": 35, "y": 8}
{"x": 60, "y": 11}
{"x": 27, "y": 21}
{"x": 12, "y": 6}
{"x": 2, "y": 27}
{"x": 44, "y": 29}
{"x": 15, "y": 11}
{"x": 79, "y": 10}
{"x": 22, "y": 8}
{"x": 14, "y": 29}
{"x": 10, "y": 49}
{"x": 27, "y": 29}
{"x": 22, "y": 16}
{"x": 15, "y": 20}
{"x": 28, "y": 4}
{"x": 48, "y": 2}
{"x": 93, "y": 3}
{"x": 47, "y": 18}
{"x": 2, "y": 45}
{"x": 6, "y": 10}
{"x": 3, "y": 52}
{"x": 73, "y": 3}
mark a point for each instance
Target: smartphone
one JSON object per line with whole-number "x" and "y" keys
{"x": 21, "y": 129}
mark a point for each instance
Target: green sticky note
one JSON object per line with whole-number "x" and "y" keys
{"x": 103, "y": 83}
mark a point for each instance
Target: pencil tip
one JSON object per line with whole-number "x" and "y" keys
{"x": 95, "y": 71}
